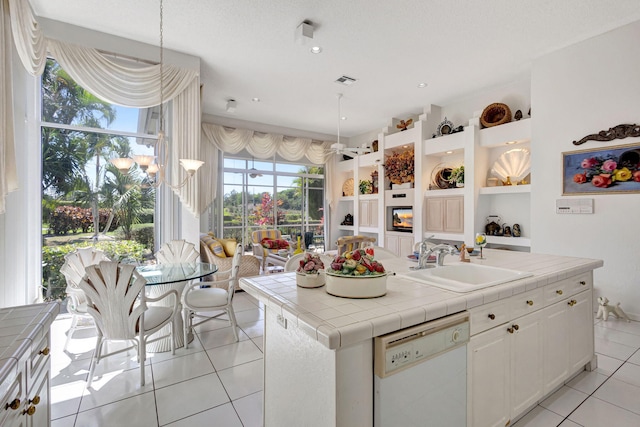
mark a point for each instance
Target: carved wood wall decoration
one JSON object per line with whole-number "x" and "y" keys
{"x": 616, "y": 132}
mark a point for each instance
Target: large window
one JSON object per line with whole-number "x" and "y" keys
{"x": 85, "y": 199}
{"x": 267, "y": 194}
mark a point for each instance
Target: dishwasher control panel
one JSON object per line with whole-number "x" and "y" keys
{"x": 400, "y": 350}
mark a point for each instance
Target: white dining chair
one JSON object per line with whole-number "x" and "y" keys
{"x": 117, "y": 302}
{"x": 73, "y": 270}
{"x": 177, "y": 251}
{"x": 197, "y": 300}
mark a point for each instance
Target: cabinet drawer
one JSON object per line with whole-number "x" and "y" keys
{"x": 39, "y": 358}
{"x": 579, "y": 283}
{"x": 557, "y": 291}
{"x": 489, "y": 315}
{"x": 14, "y": 395}
{"x": 527, "y": 302}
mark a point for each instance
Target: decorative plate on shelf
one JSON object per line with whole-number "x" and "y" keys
{"x": 445, "y": 127}
{"x": 347, "y": 187}
{"x": 514, "y": 165}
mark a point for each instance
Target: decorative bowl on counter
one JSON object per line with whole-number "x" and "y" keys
{"x": 340, "y": 285}
{"x": 313, "y": 280}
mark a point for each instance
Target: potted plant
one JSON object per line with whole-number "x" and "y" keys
{"x": 366, "y": 187}
{"x": 457, "y": 176}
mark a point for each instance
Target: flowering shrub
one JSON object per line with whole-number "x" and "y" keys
{"x": 398, "y": 167}
{"x": 605, "y": 171}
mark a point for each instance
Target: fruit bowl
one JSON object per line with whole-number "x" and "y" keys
{"x": 340, "y": 285}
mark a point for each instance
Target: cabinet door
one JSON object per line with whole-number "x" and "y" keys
{"x": 406, "y": 246}
{"x": 488, "y": 379}
{"x": 392, "y": 243}
{"x": 39, "y": 399}
{"x": 526, "y": 362}
{"x": 434, "y": 208}
{"x": 373, "y": 213}
{"x": 580, "y": 338}
{"x": 556, "y": 345}
{"x": 363, "y": 213}
{"x": 454, "y": 214}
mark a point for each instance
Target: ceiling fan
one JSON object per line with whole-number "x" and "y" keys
{"x": 253, "y": 172}
{"x": 340, "y": 148}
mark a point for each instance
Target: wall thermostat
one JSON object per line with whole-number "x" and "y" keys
{"x": 574, "y": 206}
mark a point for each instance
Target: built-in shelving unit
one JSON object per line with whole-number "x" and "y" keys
{"x": 477, "y": 149}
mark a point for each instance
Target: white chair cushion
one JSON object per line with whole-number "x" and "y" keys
{"x": 155, "y": 316}
{"x": 207, "y": 297}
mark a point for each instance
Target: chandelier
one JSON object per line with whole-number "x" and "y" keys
{"x": 155, "y": 169}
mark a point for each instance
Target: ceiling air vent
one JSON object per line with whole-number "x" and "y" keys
{"x": 345, "y": 80}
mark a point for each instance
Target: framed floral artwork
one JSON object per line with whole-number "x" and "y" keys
{"x": 608, "y": 170}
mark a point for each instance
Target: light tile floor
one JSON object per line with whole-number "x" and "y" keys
{"x": 608, "y": 396}
{"x": 219, "y": 382}
{"x": 214, "y": 382}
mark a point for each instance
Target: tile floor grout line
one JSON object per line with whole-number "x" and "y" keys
{"x": 597, "y": 388}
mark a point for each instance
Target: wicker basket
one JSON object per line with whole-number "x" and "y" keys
{"x": 495, "y": 114}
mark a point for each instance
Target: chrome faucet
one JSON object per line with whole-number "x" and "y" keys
{"x": 439, "y": 250}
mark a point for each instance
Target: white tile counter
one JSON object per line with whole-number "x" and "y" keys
{"x": 24, "y": 362}
{"x": 339, "y": 322}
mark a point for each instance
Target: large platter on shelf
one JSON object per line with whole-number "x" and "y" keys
{"x": 347, "y": 187}
{"x": 340, "y": 285}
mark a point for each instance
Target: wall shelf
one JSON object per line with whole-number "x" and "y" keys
{"x": 519, "y": 131}
{"x": 440, "y": 145}
{"x": 346, "y": 227}
{"x": 446, "y": 192}
{"x": 509, "y": 241}
{"x": 506, "y": 189}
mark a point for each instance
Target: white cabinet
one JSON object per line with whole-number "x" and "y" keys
{"x": 523, "y": 348}
{"x": 368, "y": 213}
{"x": 568, "y": 344}
{"x": 444, "y": 214}
{"x": 399, "y": 243}
{"x": 505, "y": 371}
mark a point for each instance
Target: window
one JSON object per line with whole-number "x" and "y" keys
{"x": 268, "y": 194}
{"x": 85, "y": 198}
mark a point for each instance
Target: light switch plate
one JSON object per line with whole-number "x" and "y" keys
{"x": 574, "y": 206}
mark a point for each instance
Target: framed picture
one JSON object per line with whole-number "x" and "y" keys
{"x": 607, "y": 170}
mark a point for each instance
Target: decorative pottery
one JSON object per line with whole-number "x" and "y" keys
{"x": 517, "y": 232}
{"x": 495, "y": 114}
{"x": 310, "y": 280}
{"x": 356, "y": 286}
{"x": 493, "y": 227}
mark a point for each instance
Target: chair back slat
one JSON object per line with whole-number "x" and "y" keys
{"x": 75, "y": 263}
{"x": 177, "y": 251}
{"x": 112, "y": 290}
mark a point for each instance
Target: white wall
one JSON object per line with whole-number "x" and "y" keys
{"x": 580, "y": 90}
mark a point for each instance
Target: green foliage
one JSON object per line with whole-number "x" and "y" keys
{"x": 144, "y": 235}
{"x": 146, "y": 216}
{"x": 53, "y": 281}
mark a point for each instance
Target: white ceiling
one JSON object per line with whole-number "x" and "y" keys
{"x": 248, "y": 49}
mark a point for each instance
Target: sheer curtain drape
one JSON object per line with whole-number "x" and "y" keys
{"x": 263, "y": 146}
{"x": 113, "y": 82}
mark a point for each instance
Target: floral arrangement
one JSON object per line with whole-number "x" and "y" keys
{"x": 457, "y": 175}
{"x": 604, "y": 171}
{"x": 366, "y": 187}
{"x": 399, "y": 167}
{"x": 310, "y": 264}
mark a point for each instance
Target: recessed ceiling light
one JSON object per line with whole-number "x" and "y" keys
{"x": 405, "y": 146}
{"x": 343, "y": 118}
{"x": 448, "y": 152}
{"x": 421, "y": 85}
{"x": 316, "y": 49}
{"x": 255, "y": 99}
{"x": 511, "y": 142}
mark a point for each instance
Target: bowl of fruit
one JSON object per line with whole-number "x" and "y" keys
{"x": 310, "y": 272}
{"x": 356, "y": 274}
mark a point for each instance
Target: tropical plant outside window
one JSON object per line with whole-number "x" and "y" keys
{"x": 271, "y": 194}
{"x": 85, "y": 199}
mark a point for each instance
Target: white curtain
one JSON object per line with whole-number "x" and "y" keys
{"x": 8, "y": 175}
{"x": 262, "y": 146}
{"x": 113, "y": 82}
{"x": 29, "y": 40}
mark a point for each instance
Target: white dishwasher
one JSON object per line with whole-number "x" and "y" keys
{"x": 420, "y": 374}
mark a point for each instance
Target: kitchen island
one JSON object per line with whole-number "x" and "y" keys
{"x": 318, "y": 350}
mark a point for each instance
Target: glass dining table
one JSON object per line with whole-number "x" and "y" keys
{"x": 164, "y": 277}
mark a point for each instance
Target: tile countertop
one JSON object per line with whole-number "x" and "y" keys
{"x": 20, "y": 327}
{"x": 339, "y": 322}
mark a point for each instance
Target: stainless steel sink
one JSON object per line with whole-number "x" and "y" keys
{"x": 465, "y": 277}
